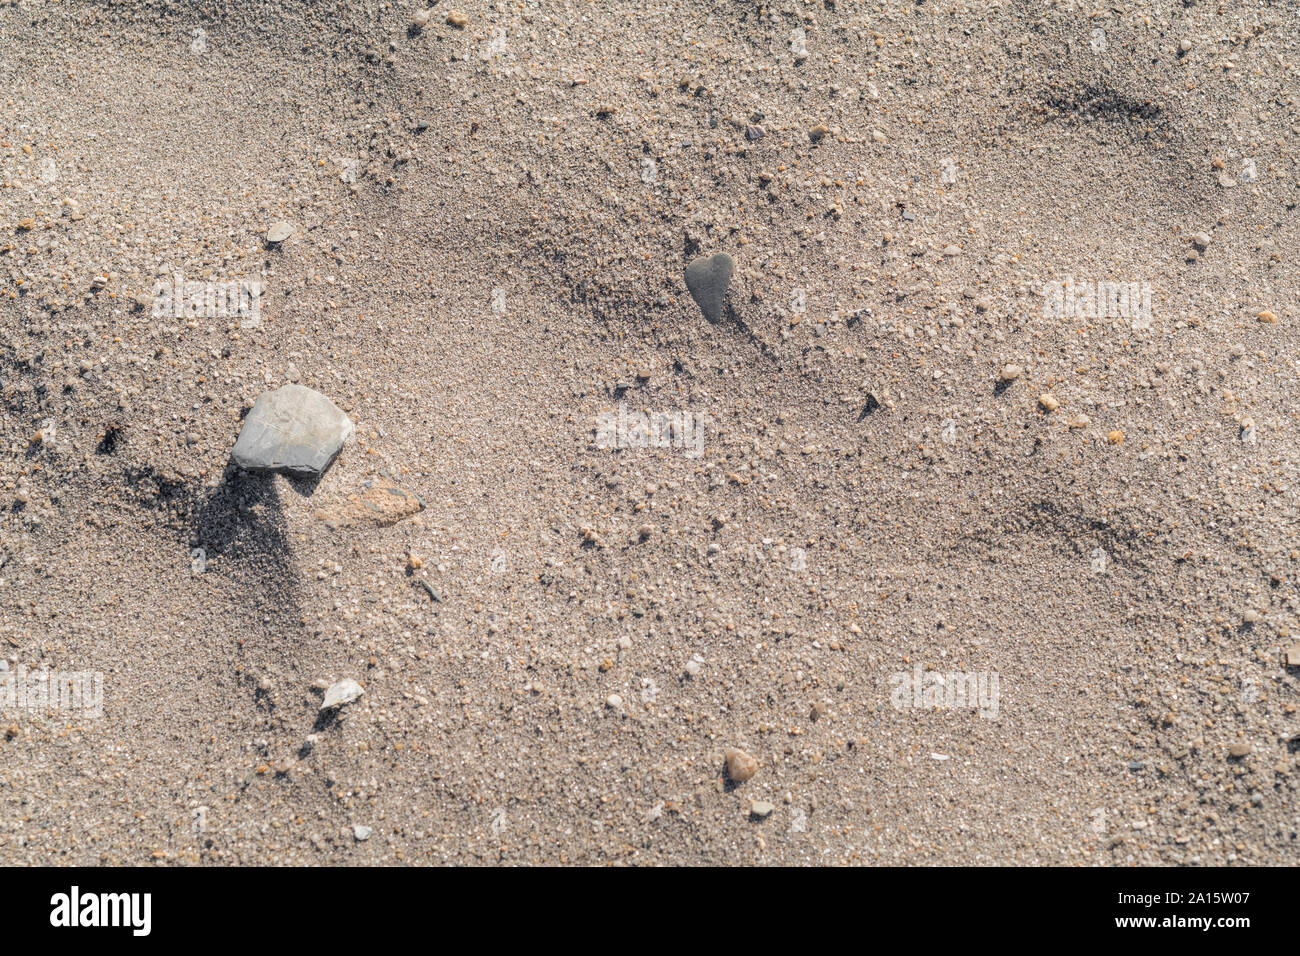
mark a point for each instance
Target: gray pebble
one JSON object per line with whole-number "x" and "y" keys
{"x": 292, "y": 429}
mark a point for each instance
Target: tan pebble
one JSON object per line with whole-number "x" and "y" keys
{"x": 1239, "y": 750}
{"x": 1116, "y": 437}
{"x": 1049, "y": 402}
{"x": 1267, "y": 316}
{"x": 414, "y": 561}
{"x": 456, "y": 18}
{"x": 740, "y": 765}
{"x": 1010, "y": 372}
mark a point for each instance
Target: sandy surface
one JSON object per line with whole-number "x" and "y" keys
{"x": 871, "y": 497}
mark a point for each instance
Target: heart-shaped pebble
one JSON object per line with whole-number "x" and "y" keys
{"x": 707, "y": 279}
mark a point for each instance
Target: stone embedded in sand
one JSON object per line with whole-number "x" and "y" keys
{"x": 292, "y": 429}
{"x": 707, "y": 279}
{"x": 280, "y": 231}
{"x": 341, "y": 693}
{"x": 1293, "y": 656}
{"x": 740, "y": 765}
{"x": 380, "y": 503}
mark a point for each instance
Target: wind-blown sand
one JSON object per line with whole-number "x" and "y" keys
{"x": 491, "y": 226}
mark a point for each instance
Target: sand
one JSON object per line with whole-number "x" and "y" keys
{"x": 838, "y": 489}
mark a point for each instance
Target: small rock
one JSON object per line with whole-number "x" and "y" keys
{"x": 342, "y": 693}
{"x": 1200, "y": 240}
{"x": 1185, "y": 44}
{"x": 292, "y": 429}
{"x": 1292, "y": 656}
{"x": 740, "y": 765}
{"x": 693, "y": 667}
{"x": 380, "y": 502}
{"x": 1010, "y": 373}
{"x": 754, "y": 133}
{"x": 1239, "y": 750}
{"x": 1049, "y": 402}
{"x": 279, "y": 232}
{"x": 420, "y": 18}
{"x": 614, "y": 702}
{"x": 761, "y": 809}
{"x": 361, "y": 834}
{"x": 707, "y": 279}
{"x": 457, "y": 19}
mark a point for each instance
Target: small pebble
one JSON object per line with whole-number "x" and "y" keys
{"x": 341, "y": 693}
{"x": 740, "y": 765}
{"x": 362, "y": 834}
{"x": 1010, "y": 373}
{"x": 279, "y": 232}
